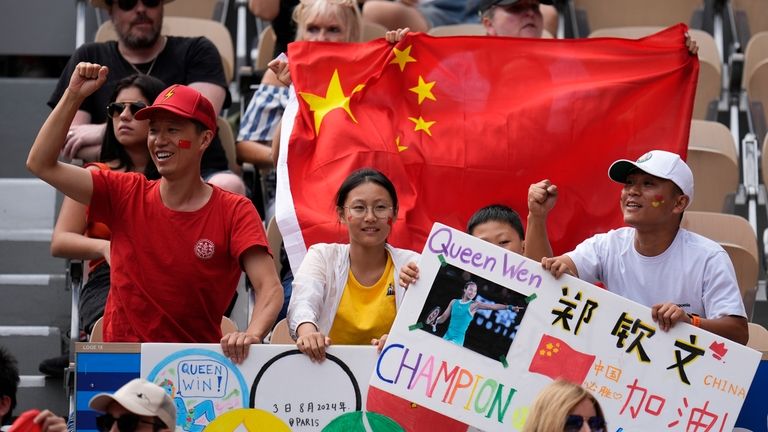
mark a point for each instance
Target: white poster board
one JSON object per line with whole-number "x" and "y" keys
{"x": 487, "y": 371}
{"x": 289, "y": 392}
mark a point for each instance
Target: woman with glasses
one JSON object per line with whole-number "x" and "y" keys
{"x": 565, "y": 407}
{"x": 346, "y": 293}
{"x": 124, "y": 148}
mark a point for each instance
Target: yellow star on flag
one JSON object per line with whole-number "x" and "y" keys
{"x": 402, "y": 57}
{"x": 400, "y": 148}
{"x": 334, "y": 98}
{"x": 422, "y": 125}
{"x": 424, "y": 90}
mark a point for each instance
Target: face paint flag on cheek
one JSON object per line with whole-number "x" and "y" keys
{"x": 657, "y": 200}
{"x": 389, "y": 221}
{"x": 185, "y": 144}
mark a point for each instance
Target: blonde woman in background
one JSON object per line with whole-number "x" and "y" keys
{"x": 565, "y": 407}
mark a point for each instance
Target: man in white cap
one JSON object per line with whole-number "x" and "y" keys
{"x": 139, "y": 405}
{"x": 654, "y": 259}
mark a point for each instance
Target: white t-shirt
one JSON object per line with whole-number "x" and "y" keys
{"x": 694, "y": 272}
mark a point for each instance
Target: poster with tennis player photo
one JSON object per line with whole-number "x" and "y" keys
{"x": 469, "y": 311}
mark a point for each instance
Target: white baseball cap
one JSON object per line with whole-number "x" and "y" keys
{"x": 659, "y": 163}
{"x": 141, "y": 397}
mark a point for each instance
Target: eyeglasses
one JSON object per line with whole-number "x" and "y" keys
{"x": 127, "y": 5}
{"x": 573, "y": 423}
{"x": 380, "y": 211}
{"x": 125, "y": 423}
{"x": 117, "y": 108}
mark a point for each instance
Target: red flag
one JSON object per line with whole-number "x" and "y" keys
{"x": 411, "y": 417}
{"x": 458, "y": 123}
{"x": 556, "y": 359}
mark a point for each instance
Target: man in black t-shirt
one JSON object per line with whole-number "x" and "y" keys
{"x": 140, "y": 48}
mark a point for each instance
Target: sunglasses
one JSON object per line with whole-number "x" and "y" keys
{"x": 125, "y": 423}
{"x": 117, "y": 108}
{"x": 573, "y": 423}
{"x": 127, "y": 5}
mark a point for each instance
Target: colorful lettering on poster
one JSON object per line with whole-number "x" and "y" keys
{"x": 639, "y": 401}
{"x": 565, "y": 315}
{"x": 699, "y": 419}
{"x": 694, "y": 352}
{"x": 202, "y": 378}
{"x": 442, "y": 242}
{"x": 458, "y": 386}
{"x": 625, "y": 326}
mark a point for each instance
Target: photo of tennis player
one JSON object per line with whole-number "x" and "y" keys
{"x": 472, "y": 312}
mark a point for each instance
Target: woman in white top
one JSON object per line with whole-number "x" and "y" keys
{"x": 346, "y": 293}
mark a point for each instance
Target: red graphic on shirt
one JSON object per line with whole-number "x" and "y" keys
{"x": 204, "y": 249}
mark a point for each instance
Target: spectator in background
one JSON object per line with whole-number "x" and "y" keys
{"x": 421, "y": 16}
{"x": 680, "y": 275}
{"x": 278, "y": 13}
{"x": 9, "y": 383}
{"x": 565, "y": 407}
{"x": 346, "y": 293}
{"x": 500, "y": 225}
{"x": 518, "y": 18}
{"x": 179, "y": 245}
{"x": 137, "y": 406}
{"x": 141, "y": 49}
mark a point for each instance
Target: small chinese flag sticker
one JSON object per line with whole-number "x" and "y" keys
{"x": 185, "y": 144}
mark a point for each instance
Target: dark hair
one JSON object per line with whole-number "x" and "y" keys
{"x": 496, "y": 213}
{"x": 9, "y": 381}
{"x": 111, "y": 148}
{"x": 365, "y": 175}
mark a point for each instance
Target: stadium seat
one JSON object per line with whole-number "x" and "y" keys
{"x": 757, "y": 94}
{"x": 275, "y": 240}
{"x": 97, "y": 334}
{"x": 190, "y": 27}
{"x": 281, "y": 334}
{"x": 266, "y": 48}
{"x": 710, "y": 81}
{"x": 755, "y": 12}
{"x": 736, "y": 236}
{"x": 756, "y": 51}
{"x": 227, "y": 326}
{"x": 711, "y": 149}
{"x": 602, "y": 14}
{"x": 204, "y": 9}
{"x": 227, "y": 138}
{"x": 758, "y": 339}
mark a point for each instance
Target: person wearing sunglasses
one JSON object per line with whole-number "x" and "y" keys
{"x": 137, "y": 406}
{"x": 565, "y": 407}
{"x": 179, "y": 245}
{"x": 140, "y": 48}
{"x": 346, "y": 293}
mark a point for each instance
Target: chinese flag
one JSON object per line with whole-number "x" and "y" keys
{"x": 556, "y": 359}
{"x": 458, "y": 123}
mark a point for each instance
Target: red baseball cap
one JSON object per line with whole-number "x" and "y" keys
{"x": 183, "y": 101}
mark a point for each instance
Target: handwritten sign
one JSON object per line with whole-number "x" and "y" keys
{"x": 504, "y": 329}
{"x": 277, "y": 386}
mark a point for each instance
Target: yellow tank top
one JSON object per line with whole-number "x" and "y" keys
{"x": 365, "y": 312}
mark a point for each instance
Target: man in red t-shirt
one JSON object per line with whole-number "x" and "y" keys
{"x": 178, "y": 244}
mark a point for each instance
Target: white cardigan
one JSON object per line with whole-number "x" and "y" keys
{"x": 320, "y": 280}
